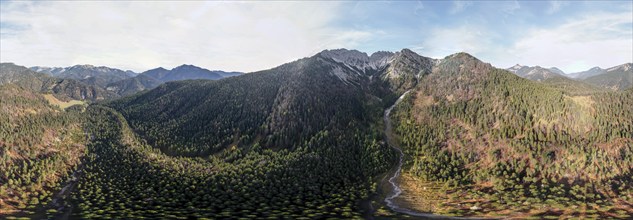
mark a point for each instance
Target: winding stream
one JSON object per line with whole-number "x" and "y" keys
{"x": 395, "y": 189}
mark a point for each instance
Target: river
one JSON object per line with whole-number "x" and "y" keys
{"x": 395, "y": 189}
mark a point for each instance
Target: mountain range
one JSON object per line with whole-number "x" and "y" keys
{"x": 154, "y": 77}
{"x": 87, "y": 82}
{"x": 62, "y": 88}
{"x": 615, "y": 78}
{"x": 324, "y": 137}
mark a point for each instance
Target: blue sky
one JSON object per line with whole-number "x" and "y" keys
{"x": 250, "y": 36}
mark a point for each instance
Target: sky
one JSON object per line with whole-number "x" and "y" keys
{"x": 253, "y": 35}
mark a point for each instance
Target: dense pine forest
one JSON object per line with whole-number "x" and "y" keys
{"x": 306, "y": 140}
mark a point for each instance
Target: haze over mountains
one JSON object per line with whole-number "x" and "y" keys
{"x": 307, "y": 139}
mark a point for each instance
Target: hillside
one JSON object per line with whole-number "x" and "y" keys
{"x": 40, "y": 146}
{"x": 498, "y": 141}
{"x": 270, "y": 106}
{"x": 133, "y": 85}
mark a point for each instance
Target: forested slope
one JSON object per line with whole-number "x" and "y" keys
{"x": 504, "y": 141}
{"x": 40, "y": 145}
{"x": 126, "y": 178}
{"x": 277, "y": 108}
{"x": 293, "y": 141}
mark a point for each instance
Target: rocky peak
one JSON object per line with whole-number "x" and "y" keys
{"x": 556, "y": 70}
{"x": 623, "y": 67}
{"x": 357, "y": 60}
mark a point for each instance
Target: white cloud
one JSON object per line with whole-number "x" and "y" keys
{"x": 135, "y": 35}
{"x": 602, "y": 39}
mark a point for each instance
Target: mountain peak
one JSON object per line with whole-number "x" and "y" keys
{"x": 623, "y": 67}
{"x": 83, "y": 66}
{"x": 380, "y": 55}
{"x": 556, "y": 70}
{"x": 158, "y": 69}
{"x": 344, "y": 55}
{"x": 462, "y": 57}
{"x": 596, "y": 68}
{"x": 185, "y": 66}
{"x": 358, "y": 60}
{"x": 465, "y": 54}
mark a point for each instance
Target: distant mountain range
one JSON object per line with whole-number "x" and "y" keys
{"x": 128, "y": 82}
{"x": 89, "y": 74}
{"x": 615, "y": 78}
{"x": 154, "y": 77}
{"x": 62, "y": 88}
{"x": 536, "y": 73}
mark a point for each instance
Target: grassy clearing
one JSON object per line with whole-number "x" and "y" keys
{"x": 61, "y": 104}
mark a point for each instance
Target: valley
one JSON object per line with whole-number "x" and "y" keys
{"x": 339, "y": 134}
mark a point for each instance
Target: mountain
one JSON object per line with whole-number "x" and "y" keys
{"x": 279, "y": 100}
{"x": 63, "y": 89}
{"x": 588, "y": 73}
{"x": 190, "y": 72}
{"x": 614, "y": 78}
{"x": 405, "y": 69}
{"x": 92, "y": 75}
{"x": 357, "y": 61}
{"x": 154, "y": 77}
{"x": 536, "y": 73}
{"x": 158, "y": 73}
{"x": 133, "y": 85}
{"x": 556, "y": 70}
{"x": 400, "y": 70}
{"x": 53, "y": 71}
{"x": 511, "y": 141}
{"x": 303, "y": 129}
